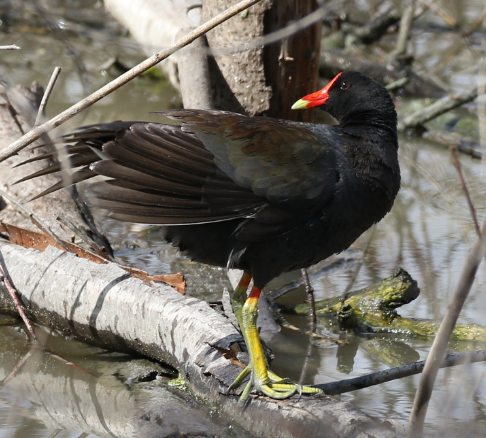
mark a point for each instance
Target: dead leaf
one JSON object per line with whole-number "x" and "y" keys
{"x": 231, "y": 354}
{"x": 40, "y": 241}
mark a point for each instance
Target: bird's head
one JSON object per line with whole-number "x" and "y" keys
{"x": 349, "y": 94}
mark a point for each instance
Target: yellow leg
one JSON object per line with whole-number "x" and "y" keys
{"x": 261, "y": 378}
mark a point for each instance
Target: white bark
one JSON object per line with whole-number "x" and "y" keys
{"x": 101, "y": 304}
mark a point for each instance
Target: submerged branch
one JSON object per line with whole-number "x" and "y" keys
{"x": 342, "y": 386}
{"x": 373, "y": 310}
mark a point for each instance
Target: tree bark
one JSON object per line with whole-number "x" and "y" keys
{"x": 292, "y": 65}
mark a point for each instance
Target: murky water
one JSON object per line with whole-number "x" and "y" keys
{"x": 429, "y": 233}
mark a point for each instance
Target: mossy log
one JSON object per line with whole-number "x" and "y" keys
{"x": 373, "y": 310}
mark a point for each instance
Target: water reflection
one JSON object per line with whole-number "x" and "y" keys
{"x": 100, "y": 393}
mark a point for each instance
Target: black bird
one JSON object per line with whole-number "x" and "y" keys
{"x": 263, "y": 195}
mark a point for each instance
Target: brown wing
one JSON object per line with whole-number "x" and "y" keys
{"x": 277, "y": 159}
{"x": 230, "y": 166}
{"x": 160, "y": 175}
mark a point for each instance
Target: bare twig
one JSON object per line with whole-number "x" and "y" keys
{"x": 424, "y": 391}
{"x": 18, "y": 304}
{"x": 62, "y": 156}
{"x": 448, "y": 18}
{"x": 67, "y": 362}
{"x": 377, "y": 26}
{"x": 47, "y": 94}
{"x": 457, "y": 165}
{"x": 443, "y": 105}
{"x": 303, "y": 371}
{"x": 38, "y": 131}
{"x": 405, "y": 30}
{"x": 310, "y": 299}
{"x": 88, "y": 219}
{"x": 36, "y": 220}
{"x": 360, "y": 263}
{"x": 61, "y": 35}
{"x": 462, "y": 143}
{"x": 289, "y": 326}
{"x": 313, "y": 321}
{"x": 476, "y": 23}
{"x": 10, "y": 47}
{"x": 16, "y": 368}
{"x": 481, "y": 80}
{"x": 399, "y": 83}
{"x": 84, "y": 236}
{"x": 411, "y": 369}
{"x": 343, "y": 261}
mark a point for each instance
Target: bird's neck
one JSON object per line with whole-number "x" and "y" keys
{"x": 371, "y": 125}
{"x": 375, "y": 158}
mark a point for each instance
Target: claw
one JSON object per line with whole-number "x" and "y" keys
{"x": 239, "y": 379}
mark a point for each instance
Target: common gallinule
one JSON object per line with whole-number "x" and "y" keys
{"x": 263, "y": 195}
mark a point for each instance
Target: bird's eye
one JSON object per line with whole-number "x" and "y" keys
{"x": 344, "y": 85}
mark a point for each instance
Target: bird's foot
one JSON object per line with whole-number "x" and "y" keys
{"x": 270, "y": 385}
{"x": 261, "y": 378}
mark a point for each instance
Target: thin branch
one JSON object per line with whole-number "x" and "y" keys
{"x": 62, "y": 156}
{"x": 18, "y": 304}
{"x": 360, "y": 263}
{"x": 443, "y": 105}
{"x": 424, "y": 391}
{"x": 343, "y": 261}
{"x": 405, "y": 30}
{"x": 84, "y": 236}
{"x": 10, "y": 47}
{"x": 16, "y": 368}
{"x": 303, "y": 371}
{"x": 342, "y": 386}
{"x": 38, "y": 131}
{"x": 310, "y": 299}
{"x": 448, "y": 18}
{"x": 61, "y": 35}
{"x": 376, "y": 27}
{"x": 462, "y": 145}
{"x": 481, "y": 81}
{"x": 47, "y": 94}
{"x": 399, "y": 83}
{"x": 476, "y": 23}
{"x": 457, "y": 165}
{"x": 67, "y": 362}
{"x": 313, "y": 322}
{"x": 36, "y": 220}
{"x": 279, "y": 35}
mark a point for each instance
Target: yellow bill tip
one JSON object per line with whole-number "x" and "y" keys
{"x": 300, "y": 104}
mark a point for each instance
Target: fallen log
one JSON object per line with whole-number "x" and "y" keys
{"x": 102, "y": 305}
